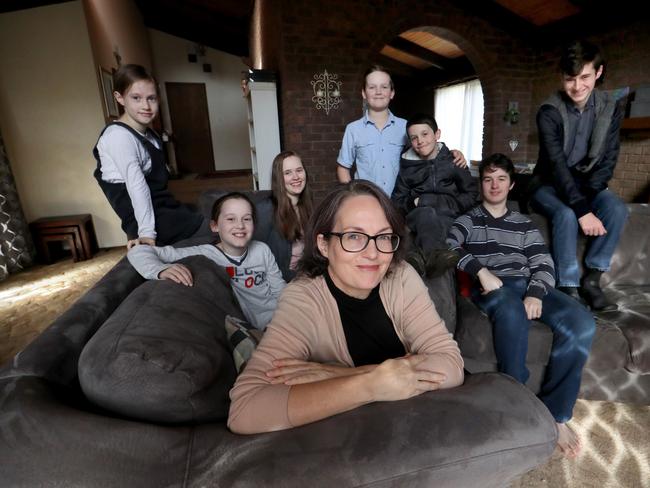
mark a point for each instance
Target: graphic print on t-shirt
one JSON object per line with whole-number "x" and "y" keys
{"x": 248, "y": 276}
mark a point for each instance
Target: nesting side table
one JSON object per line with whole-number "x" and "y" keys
{"x": 77, "y": 230}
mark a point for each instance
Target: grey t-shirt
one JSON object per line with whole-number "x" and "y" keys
{"x": 256, "y": 279}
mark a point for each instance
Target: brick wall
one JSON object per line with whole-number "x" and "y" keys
{"x": 632, "y": 175}
{"x": 628, "y": 53}
{"x": 344, "y": 37}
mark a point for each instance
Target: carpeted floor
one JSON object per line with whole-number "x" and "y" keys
{"x": 32, "y": 299}
{"x": 616, "y": 450}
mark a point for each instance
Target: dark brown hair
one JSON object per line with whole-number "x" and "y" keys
{"x": 233, "y": 195}
{"x": 577, "y": 54}
{"x": 422, "y": 118}
{"x": 291, "y": 225}
{"x": 497, "y": 161}
{"x": 313, "y": 263}
{"x": 127, "y": 74}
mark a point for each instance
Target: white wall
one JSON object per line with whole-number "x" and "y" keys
{"x": 227, "y": 108}
{"x": 51, "y": 115}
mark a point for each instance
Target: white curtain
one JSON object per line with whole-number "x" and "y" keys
{"x": 459, "y": 114}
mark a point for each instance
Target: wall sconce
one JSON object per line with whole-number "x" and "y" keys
{"x": 327, "y": 91}
{"x": 512, "y": 113}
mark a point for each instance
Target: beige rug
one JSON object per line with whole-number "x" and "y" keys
{"x": 616, "y": 451}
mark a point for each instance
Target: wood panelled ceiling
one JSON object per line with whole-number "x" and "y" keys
{"x": 436, "y": 60}
{"x": 433, "y": 43}
{"x": 405, "y": 58}
{"x": 224, "y": 25}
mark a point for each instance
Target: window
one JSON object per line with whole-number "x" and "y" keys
{"x": 459, "y": 114}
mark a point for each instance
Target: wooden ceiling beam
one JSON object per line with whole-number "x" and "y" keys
{"x": 395, "y": 67}
{"x": 425, "y": 54}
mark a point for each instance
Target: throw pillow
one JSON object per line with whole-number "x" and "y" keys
{"x": 243, "y": 338}
{"x": 163, "y": 355}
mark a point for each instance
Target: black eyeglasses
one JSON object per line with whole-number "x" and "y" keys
{"x": 358, "y": 241}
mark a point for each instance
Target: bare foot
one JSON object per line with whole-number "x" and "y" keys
{"x": 568, "y": 441}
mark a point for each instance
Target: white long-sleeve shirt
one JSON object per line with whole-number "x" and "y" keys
{"x": 125, "y": 160}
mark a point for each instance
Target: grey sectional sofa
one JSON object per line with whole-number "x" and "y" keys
{"x": 164, "y": 340}
{"x": 618, "y": 368}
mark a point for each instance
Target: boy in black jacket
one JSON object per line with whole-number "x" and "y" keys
{"x": 578, "y": 149}
{"x": 432, "y": 191}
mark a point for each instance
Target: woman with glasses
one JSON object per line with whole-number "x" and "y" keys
{"x": 356, "y": 326}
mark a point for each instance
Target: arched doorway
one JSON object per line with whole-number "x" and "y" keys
{"x": 433, "y": 74}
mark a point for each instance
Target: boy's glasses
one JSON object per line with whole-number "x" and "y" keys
{"x": 358, "y": 241}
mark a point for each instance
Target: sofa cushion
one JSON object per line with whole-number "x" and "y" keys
{"x": 632, "y": 319}
{"x": 163, "y": 354}
{"x": 609, "y": 348}
{"x": 631, "y": 260}
{"x": 474, "y": 336}
{"x": 442, "y": 291}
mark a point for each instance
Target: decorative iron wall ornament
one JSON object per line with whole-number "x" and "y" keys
{"x": 327, "y": 91}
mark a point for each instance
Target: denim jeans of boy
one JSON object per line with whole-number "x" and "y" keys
{"x": 573, "y": 329}
{"x": 609, "y": 208}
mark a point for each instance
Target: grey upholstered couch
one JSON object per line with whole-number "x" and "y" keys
{"x": 483, "y": 434}
{"x": 618, "y": 368}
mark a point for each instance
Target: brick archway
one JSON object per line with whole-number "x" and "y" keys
{"x": 343, "y": 37}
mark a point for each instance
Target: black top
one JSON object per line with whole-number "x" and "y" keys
{"x": 174, "y": 221}
{"x": 369, "y": 331}
{"x": 267, "y": 232}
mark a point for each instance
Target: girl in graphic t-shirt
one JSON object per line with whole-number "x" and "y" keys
{"x": 254, "y": 275}
{"x": 132, "y": 170}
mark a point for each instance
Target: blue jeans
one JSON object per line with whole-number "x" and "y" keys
{"x": 606, "y": 206}
{"x": 573, "y": 329}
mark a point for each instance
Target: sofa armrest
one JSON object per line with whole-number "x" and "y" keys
{"x": 484, "y": 433}
{"x": 54, "y": 354}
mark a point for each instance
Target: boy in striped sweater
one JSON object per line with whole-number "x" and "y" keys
{"x": 515, "y": 284}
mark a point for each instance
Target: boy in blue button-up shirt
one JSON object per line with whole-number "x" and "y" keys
{"x": 376, "y": 141}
